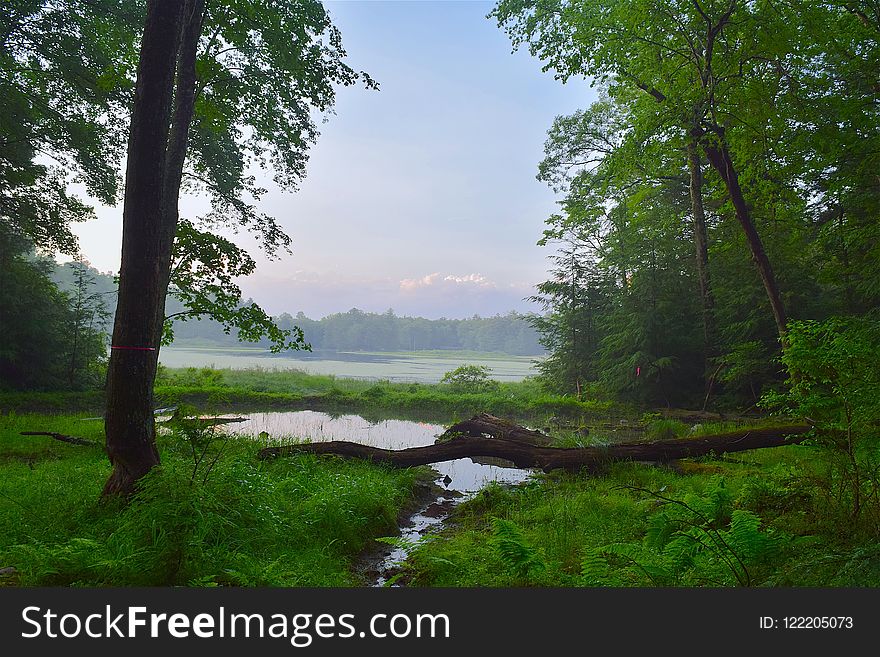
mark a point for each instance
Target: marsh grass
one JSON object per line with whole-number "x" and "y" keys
{"x": 667, "y": 429}
{"x": 223, "y": 390}
{"x": 294, "y": 522}
{"x": 565, "y": 518}
{"x": 273, "y": 388}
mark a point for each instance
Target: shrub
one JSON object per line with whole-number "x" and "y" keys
{"x": 470, "y": 378}
{"x": 833, "y": 380}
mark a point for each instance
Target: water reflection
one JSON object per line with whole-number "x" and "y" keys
{"x": 463, "y": 474}
{"x": 391, "y": 367}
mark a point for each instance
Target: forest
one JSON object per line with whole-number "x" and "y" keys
{"x": 718, "y": 202}
{"x": 357, "y": 330}
{"x": 61, "y": 317}
{"x": 714, "y": 280}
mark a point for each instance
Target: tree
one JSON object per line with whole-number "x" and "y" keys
{"x": 834, "y": 380}
{"x": 48, "y": 342}
{"x": 573, "y": 300}
{"x": 835, "y": 145}
{"x": 470, "y": 379}
{"x": 781, "y": 100}
{"x": 89, "y": 316}
{"x": 129, "y": 425}
{"x": 202, "y": 283}
{"x": 694, "y": 58}
{"x": 65, "y": 69}
{"x": 614, "y": 149}
{"x": 230, "y": 84}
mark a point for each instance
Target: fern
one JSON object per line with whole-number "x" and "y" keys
{"x": 595, "y": 569}
{"x": 406, "y": 544}
{"x": 619, "y": 564}
{"x": 697, "y": 539}
{"x": 746, "y": 536}
{"x": 514, "y": 550}
{"x": 720, "y": 501}
{"x": 660, "y": 530}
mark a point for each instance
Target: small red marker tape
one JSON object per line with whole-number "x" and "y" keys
{"x": 136, "y": 348}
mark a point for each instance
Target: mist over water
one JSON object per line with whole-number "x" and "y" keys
{"x": 391, "y": 367}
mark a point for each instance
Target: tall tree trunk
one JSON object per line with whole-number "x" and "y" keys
{"x": 707, "y": 300}
{"x": 719, "y": 157}
{"x": 175, "y": 157}
{"x": 129, "y": 426}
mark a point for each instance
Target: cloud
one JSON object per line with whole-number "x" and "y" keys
{"x": 433, "y": 295}
{"x": 438, "y": 280}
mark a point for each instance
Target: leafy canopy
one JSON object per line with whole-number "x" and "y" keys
{"x": 66, "y": 76}
{"x": 267, "y": 70}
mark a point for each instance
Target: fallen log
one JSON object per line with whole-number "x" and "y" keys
{"x": 213, "y": 421}
{"x": 205, "y": 421}
{"x": 73, "y": 440}
{"x": 483, "y": 424}
{"x": 549, "y": 458}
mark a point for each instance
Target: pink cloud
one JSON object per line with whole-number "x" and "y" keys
{"x": 438, "y": 280}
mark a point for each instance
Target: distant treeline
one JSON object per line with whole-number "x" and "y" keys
{"x": 357, "y": 330}
{"x": 354, "y": 330}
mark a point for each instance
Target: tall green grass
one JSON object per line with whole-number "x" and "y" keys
{"x": 294, "y": 389}
{"x": 295, "y": 522}
{"x": 616, "y": 529}
{"x": 262, "y": 389}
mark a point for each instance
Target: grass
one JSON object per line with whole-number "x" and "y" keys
{"x": 262, "y": 389}
{"x": 295, "y": 522}
{"x": 303, "y": 521}
{"x": 320, "y": 392}
{"x": 616, "y": 529}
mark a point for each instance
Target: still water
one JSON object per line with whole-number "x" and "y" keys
{"x": 464, "y": 475}
{"x": 392, "y": 367}
{"x": 460, "y": 478}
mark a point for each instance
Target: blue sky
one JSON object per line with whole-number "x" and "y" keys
{"x": 419, "y": 197}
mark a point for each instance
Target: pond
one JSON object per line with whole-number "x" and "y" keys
{"x": 403, "y": 367}
{"x": 456, "y": 480}
{"x": 464, "y": 475}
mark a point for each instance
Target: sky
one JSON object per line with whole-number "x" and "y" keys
{"x": 420, "y": 197}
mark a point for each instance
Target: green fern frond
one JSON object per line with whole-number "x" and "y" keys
{"x": 513, "y": 548}
{"x": 595, "y": 568}
{"x": 746, "y": 537}
{"x": 660, "y": 530}
{"x": 620, "y": 564}
{"x": 744, "y": 525}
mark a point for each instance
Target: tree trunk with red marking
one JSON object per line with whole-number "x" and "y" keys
{"x": 156, "y": 149}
